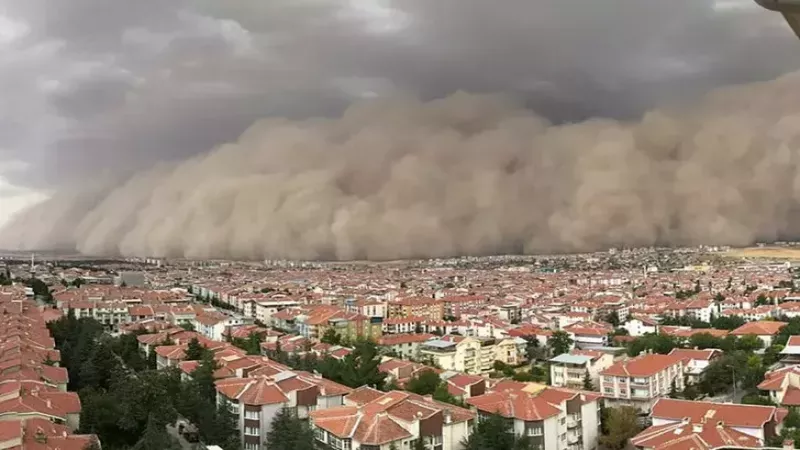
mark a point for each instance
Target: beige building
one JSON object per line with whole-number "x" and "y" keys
{"x": 470, "y": 355}
{"x": 640, "y": 381}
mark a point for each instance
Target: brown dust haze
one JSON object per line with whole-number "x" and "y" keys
{"x": 463, "y": 175}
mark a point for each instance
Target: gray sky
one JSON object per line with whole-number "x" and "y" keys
{"x": 92, "y": 87}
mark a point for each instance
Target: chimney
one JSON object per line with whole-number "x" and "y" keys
{"x": 448, "y": 416}
{"x": 685, "y": 421}
{"x": 49, "y": 403}
{"x": 788, "y": 444}
{"x": 697, "y": 428}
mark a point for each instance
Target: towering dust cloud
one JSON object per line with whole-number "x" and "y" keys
{"x": 466, "y": 174}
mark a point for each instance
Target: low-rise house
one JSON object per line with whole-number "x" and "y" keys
{"x": 462, "y": 386}
{"x": 783, "y": 386}
{"x": 790, "y": 355}
{"x": 35, "y": 433}
{"x": 765, "y": 330}
{"x": 704, "y": 435}
{"x": 760, "y": 422}
{"x": 698, "y": 361}
{"x": 640, "y": 381}
{"x": 639, "y": 325}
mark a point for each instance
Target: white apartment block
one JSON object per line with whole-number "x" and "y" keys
{"x": 640, "y": 381}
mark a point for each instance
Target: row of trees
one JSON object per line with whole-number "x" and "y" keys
{"x": 128, "y": 403}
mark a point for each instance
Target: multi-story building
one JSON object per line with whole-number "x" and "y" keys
{"x": 470, "y": 355}
{"x": 313, "y": 321}
{"x": 429, "y": 308}
{"x": 570, "y": 369}
{"x": 374, "y": 420}
{"x": 589, "y": 334}
{"x": 264, "y": 309}
{"x": 404, "y": 346}
{"x": 256, "y": 400}
{"x": 640, "y": 381}
{"x": 553, "y": 418}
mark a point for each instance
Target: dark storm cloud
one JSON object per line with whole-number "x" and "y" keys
{"x": 163, "y": 69}
{"x": 108, "y": 88}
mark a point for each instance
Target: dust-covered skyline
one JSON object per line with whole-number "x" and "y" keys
{"x": 113, "y": 107}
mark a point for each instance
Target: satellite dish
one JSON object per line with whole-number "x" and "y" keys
{"x": 789, "y": 8}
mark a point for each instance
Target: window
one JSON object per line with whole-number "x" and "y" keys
{"x": 248, "y": 446}
{"x": 251, "y": 431}
{"x": 434, "y": 440}
{"x": 252, "y": 415}
{"x": 534, "y": 431}
{"x": 335, "y": 442}
{"x": 319, "y": 433}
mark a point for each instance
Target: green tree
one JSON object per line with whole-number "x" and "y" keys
{"x": 560, "y": 342}
{"x": 657, "y": 343}
{"x": 442, "y": 394}
{"x": 727, "y": 322}
{"x": 155, "y": 437}
{"x": 194, "y": 350}
{"x": 360, "y": 367}
{"x": 620, "y": 425}
{"x": 749, "y": 343}
{"x": 495, "y": 433}
{"x": 330, "y": 336}
{"x": 792, "y": 419}
{"x": 288, "y": 432}
{"x": 690, "y": 392}
{"x": 587, "y": 381}
{"x": 613, "y": 319}
{"x": 188, "y": 326}
{"x": 424, "y": 382}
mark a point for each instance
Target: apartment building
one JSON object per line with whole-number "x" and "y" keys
{"x": 366, "y": 307}
{"x": 640, "y": 381}
{"x": 373, "y": 420}
{"x": 404, "y": 346}
{"x": 313, "y": 321}
{"x": 589, "y": 334}
{"x": 429, "y": 308}
{"x": 569, "y": 369}
{"x": 264, "y": 309}
{"x": 257, "y": 399}
{"x": 470, "y": 355}
{"x": 554, "y": 418}
{"x": 214, "y": 325}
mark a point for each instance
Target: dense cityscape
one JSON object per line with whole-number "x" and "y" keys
{"x": 652, "y": 349}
